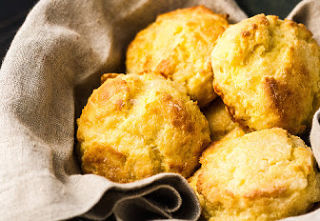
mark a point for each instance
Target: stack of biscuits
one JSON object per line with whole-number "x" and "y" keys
{"x": 221, "y": 104}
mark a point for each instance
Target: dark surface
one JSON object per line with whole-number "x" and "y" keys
{"x": 13, "y": 13}
{"x": 271, "y": 7}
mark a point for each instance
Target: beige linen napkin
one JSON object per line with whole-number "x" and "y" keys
{"x": 53, "y": 64}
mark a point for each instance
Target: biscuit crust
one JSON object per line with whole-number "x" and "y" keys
{"x": 263, "y": 175}
{"x": 220, "y": 121}
{"x": 266, "y": 70}
{"x": 135, "y": 126}
{"x": 178, "y": 46}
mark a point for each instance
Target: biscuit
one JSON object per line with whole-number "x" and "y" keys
{"x": 178, "y": 46}
{"x": 135, "y": 126}
{"x": 220, "y": 122}
{"x": 263, "y": 175}
{"x": 266, "y": 70}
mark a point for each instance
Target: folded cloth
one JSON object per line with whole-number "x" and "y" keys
{"x": 307, "y": 12}
{"x": 53, "y": 63}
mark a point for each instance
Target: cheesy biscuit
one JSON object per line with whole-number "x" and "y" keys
{"x": 135, "y": 126}
{"x": 263, "y": 175}
{"x": 220, "y": 121}
{"x": 266, "y": 71}
{"x": 178, "y": 46}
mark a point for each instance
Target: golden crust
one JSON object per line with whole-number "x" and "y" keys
{"x": 263, "y": 175}
{"x": 106, "y": 76}
{"x": 178, "y": 46}
{"x": 220, "y": 122}
{"x": 266, "y": 71}
{"x": 135, "y": 126}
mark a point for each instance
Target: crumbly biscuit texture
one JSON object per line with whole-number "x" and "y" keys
{"x": 178, "y": 46}
{"x": 263, "y": 175}
{"x": 135, "y": 126}
{"x": 267, "y": 72}
{"x": 220, "y": 121}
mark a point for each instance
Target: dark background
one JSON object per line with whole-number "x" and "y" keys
{"x": 13, "y": 13}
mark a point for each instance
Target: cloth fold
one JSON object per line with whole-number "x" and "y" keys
{"x": 164, "y": 195}
{"x": 307, "y": 12}
{"x": 53, "y": 64}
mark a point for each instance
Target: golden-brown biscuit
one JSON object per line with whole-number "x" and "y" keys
{"x": 178, "y": 46}
{"x": 135, "y": 126}
{"x": 266, "y": 71}
{"x": 220, "y": 122}
{"x": 263, "y": 175}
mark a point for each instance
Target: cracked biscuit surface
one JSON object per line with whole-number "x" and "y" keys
{"x": 266, "y": 70}
{"x": 135, "y": 126}
{"x": 263, "y": 175}
{"x": 178, "y": 46}
{"x": 220, "y": 122}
